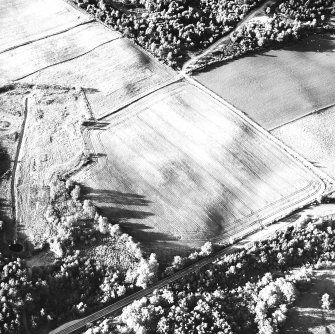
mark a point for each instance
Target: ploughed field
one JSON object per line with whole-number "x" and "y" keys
{"x": 180, "y": 166}
{"x": 23, "y": 21}
{"x": 70, "y": 50}
{"x": 277, "y": 86}
{"x": 313, "y": 137}
{"x": 173, "y": 165}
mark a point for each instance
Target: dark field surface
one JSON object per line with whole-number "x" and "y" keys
{"x": 278, "y": 85}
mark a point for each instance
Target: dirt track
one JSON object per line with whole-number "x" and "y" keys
{"x": 226, "y": 38}
{"x": 14, "y": 170}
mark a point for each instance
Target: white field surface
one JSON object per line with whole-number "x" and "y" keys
{"x": 25, "y": 60}
{"x": 22, "y": 21}
{"x": 88, "y": 55}
{"x": 278, "y": 86}
{"x": 113, "y": 73}
{"x": 179, "y": 166}
{"x": 313, "y": 137}
{"x": 52, "y": 144}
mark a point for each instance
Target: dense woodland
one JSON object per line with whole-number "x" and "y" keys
{"x": 288, "y": 20}
{"x": 248, "y": 292}
{"x": 74, "y": 285}
{"x": 170, "y": 30}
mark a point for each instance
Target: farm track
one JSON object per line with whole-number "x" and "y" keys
{"x": 328, "y": 181}
{"x": 16, "y": 161}
{"x": 235, "y": 222}
{"x": 45, "y": 37}
{"x": 303, "y": 116}
{"x": 298, "y": 198}
{"x": 66, "y": 60}
{"x": 255, "y": 225}
{"x": 226, "y": 38}
{"x": 137, "y": 98}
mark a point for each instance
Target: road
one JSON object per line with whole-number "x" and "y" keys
{"x": 226, "y": 38}
{"x": 80, "y": 325}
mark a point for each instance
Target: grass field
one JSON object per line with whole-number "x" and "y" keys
{"x": 313, "y": 137}
{"x": 22, "y": 21}
{"x": 278, "y": 85}
{"x": 52, "y": 143}
{"x": 307, "y": 315}
{"x": 180, "y": 167}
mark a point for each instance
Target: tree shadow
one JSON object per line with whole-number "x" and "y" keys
{"x": 5, "y": 162}
{"x": 117, "y": 207}
{"x": 323, "y": 42}
{"x": 304, "y": 323}
{"x": 118, "y": 215}
{"x": 317, "y": 42}
{"x": 143, "y": 233}
{"x": 114, "y": 197}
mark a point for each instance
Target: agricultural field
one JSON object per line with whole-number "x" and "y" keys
{"x": 277, "y": 86}
{"x": 113, "y": 75}
{"x": 18, "y": 18}
{"x": 112, "y": 69}
{"x": 180, "y": 167}
{"x": 313, "y": 137}
{"x": 22, "y": 61}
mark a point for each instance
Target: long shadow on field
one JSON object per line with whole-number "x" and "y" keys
{"x": 115, "y": 206}
{"x": 119, "y": 214}
{"x": 114, "y": 197}
{"x": 306, "y": 323}
{"x": 313, "y": 43}
{"x": 143, "y": 233}
{"x": 7, "y": 229}
{"x": 4, "y": 162}
{"x": 5, "y": 206}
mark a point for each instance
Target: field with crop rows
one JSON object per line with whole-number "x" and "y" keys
{"x": 34, "y": 57}
{"x": 113, "y": 74}
{"x": 277, "y": 86}
{"x": 313, "y": 137}
{"x": 23, "y": 21}
{"x": 112, "y": 69}
{"x": 180, "y": 166}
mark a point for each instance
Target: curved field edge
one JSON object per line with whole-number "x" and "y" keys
{"x": 327, "y": 181}
{"x": 313, "y": 192}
